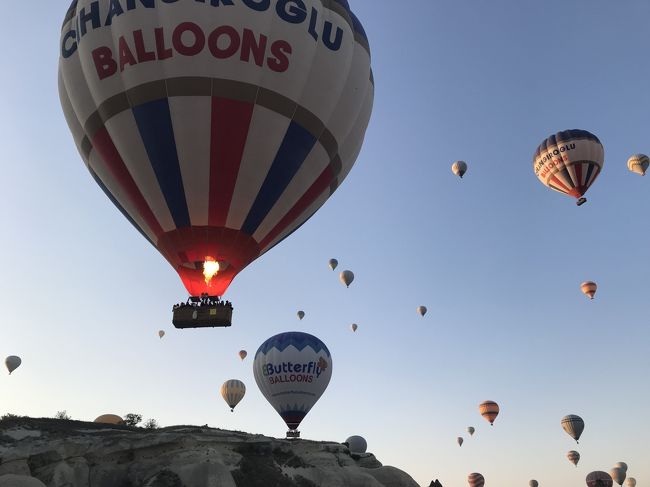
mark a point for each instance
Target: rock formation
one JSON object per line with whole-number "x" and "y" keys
{"x": 63, "y": 453}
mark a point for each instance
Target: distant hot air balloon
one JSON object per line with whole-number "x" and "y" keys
{"x": 569, "y": 162}
{"x": 470, "y": 430}
{"x": 489, "y": 410}
{"x": 301, "y": 314}
{"x": 217, "y": 132}
{"x": 233, "y": 391}
{"x": 459, "y": 168}
{"x": 621, "y": 465}
{"x": 573, "y": 425}
{"x": 333, "y": 263}
{"x": 574, "y": 457}
{"x": 161, "y": 333}
{"x": 638, "y": 164}
{"x": 618, "y": 475}
{"x": 599, "y": 479}
{"x": 109, "y": 419}
{"x": 475, "y": 480}
{"x": 12, "y": 362}
{"x": 533, "y": 483}
{"x": 630, "y": 482}
{"x": 588, "y": 288}
{"x": 346, "y": 278}
{"x": 292, "y": 370}
{"x": 354, "y": 327}
{"x": 243, "y": 354}
{"x": 357, "y": 444}
{"x": 422, "y": 310}
{"x": 460, "y": 441}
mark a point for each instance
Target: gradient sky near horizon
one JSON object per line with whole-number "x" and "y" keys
{"x": 496, "y": 257}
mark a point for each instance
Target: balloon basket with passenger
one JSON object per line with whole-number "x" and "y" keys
{"x": 293, "y": 435}
{"x": 202, "y": 312}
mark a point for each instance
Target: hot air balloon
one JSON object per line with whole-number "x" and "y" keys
{"x": 470, "y": 430}
{"x": 459, "y": 168}
{"x": 354, "y": 327}
{"x": 292, "y": 371}
{"x": 161, "y": 333}
{"x": 621, "y": 465}
{"x": 489, "y": 410}
{"x": 422, "y": 310}
{"x": 12, "y": 362}
{"x": 346, "y": 277}
{"x": 333, "y": 263}
{"x": 569, "y": 162}
{"x": 301, "y": 314}
{"x": 638, "y": 164}
{"x": 533, "y": 483}
{"x": 217, "y": 132}
{"x": 243, "y": 354}
{"x": 460, "y": 441}
{"x": 630, "y": 482}
{"x": 588, "y": 288}
{"x": 233, "y": 391}
{"x": 618, "y": 475}
{"x": 574, "y": 457}
{"x": 599, "y": 479}
{"x": 357, "y": 444}
{"x": 475, "y": 480}
{"x": 109, "y": 419}
{"x": 573, "y": 425}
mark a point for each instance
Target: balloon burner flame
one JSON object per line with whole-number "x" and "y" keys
{"x": 210, "y": 269}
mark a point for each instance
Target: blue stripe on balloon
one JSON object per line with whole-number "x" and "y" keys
{"x": 293, "y": 151}
{"x": 101, "y": 184}
{"x": 155, "y": 126}
{"x": 296, "y": 338}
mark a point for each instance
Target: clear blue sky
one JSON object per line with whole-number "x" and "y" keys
{"x": 497, "y": 258}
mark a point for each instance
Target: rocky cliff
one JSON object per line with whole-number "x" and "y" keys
{"x": 77, "y": 454}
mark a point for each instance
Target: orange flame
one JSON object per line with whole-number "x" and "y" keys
{"x": 210, "y": 269}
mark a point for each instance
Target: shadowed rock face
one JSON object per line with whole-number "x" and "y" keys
{"x": 77, "y": 454}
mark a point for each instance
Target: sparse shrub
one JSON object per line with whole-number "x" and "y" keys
{"x": 62, "y": 415}
{"x": 9, "y": 416}
{"x": 132, "y": 419}
{"x": 151, "y": 424}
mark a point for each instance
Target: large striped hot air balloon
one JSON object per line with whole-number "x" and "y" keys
{"x": 233, "y": 391}
{"x": 489, "y": 410}
{"x": 569, "y": 162}
{"x": 475, "y": 480}
{"x": 573, "y": 425}
{"x": 292, "y": 370}
{"x": 599, "y": 479}
{"x": 216, "y": 128}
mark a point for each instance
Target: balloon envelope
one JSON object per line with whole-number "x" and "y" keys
{"x": 489, "y": 410}
{"x": 301, "y": 315}
{"x": 354, "y": 327}
{"x": 357, "y": 444}
{"x": 333, "y": 263}
{"x": 638, "y": 164}
{"x": 573, "y": 425}
{"x": 599, "y": 479}
{"x": 569, "y": 161}
{"x": 459, "y": 168}
{"x": 460, "y": 441}
{"x": 243, "y": 354}
{"x": 475, "y": 480}
{"x": 109, "y": 419}
{"x": 630, "y": 482}
{"x": 217, "y": 132}
{"x": 422, "y": 310}
{"x": 574, "y": 457}
{"x": 12, "y": 362}
{"x": 621, "y": 465}
{"x": 346, "y": 277}
{"x": 292, "y": 370}
{"x": 589, "y": 288}
{"x": 618, "y": 475}
{"x": 161, "y": 333}
{"x": 233, "y": 391}
{"x": 533, "y": 483}
{"x": 470, "y": 430}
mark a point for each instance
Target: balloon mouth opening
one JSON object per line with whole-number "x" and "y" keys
{"x": 210, "y": 269}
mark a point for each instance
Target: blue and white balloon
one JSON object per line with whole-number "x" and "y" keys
{"x": 292, "y": 370}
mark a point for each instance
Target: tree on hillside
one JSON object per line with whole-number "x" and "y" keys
{"x": 132, "y": 419}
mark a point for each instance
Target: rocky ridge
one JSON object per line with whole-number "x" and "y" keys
{"x": 63, "y": 453}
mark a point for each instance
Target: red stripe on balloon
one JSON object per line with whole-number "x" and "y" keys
{"x": 104, "y": 145}
{"x": 230, "y": 124}
{"x": 580, "y": 186}
{"x": 315, "y": 190}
